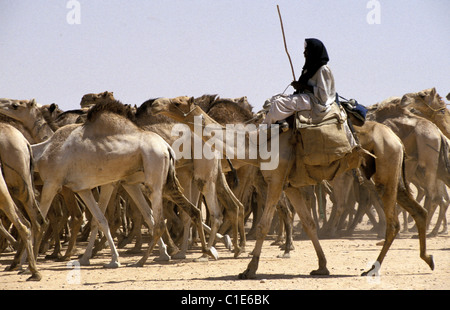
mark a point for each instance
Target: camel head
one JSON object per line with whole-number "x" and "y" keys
{"x": 428, "y": 98}
{"x": 431, "y": 106}
{"x": 89, "y": 100}
{"x": 18, "y": 109}
{"x": 177, "y": 108}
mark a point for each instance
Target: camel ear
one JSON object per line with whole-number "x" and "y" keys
{"x": 32, "y": 102}
{"x": 404, "y": 101}
{"x": 191, "y": 101}
{"x": 423, "y": 94}
{"x": 53, "y": 107}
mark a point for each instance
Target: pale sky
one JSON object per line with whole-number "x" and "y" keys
{"x": 233, "y": 48}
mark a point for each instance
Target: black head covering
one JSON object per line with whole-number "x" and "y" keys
{"x": 316, "y": 57}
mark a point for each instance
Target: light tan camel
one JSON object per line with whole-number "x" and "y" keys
{"x": 375, "y": 138}
{"x": 196, "y": 175}
{"x": 428, "y": 104}
{"x": 37, "y": 123}
{"x": 29, "y": 113}
{"x": 16, "y": 182}
{"x": 117, "y": 151}
{"x": 425, "y": 145}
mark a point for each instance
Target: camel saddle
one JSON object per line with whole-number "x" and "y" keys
{"x": 323, "y": 137}
{"x": 322, "y": 141}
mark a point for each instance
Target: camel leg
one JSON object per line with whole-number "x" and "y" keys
{"x": 443, "y": 206}
{"x": 136, "y": 194}
{"x": 388, "y": 194}
{"x": 158, "y": 226}
{"x": 192, "y": 194}
{"x": 48, "y": 192}
{"x": 103, "y": 201}
{"x": 77, "y": 219}
{"x": 215, "y": 214}
{"x": 97, "y": 213}
{"x": 287, "y": 218}
{"x": 274, "y": 190}
{"x": 234, "y": 210}
{"x": 22, "y": 226}
{"x": 419, "y": 215}
{"x": 309, "y": 226}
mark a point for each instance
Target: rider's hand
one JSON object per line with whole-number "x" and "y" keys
{"x": 296, "y": 85}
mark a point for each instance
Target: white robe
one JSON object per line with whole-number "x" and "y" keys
{"x": 324, "y": 94}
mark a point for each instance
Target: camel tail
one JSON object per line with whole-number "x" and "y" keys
{"x": 234, "y": 172}
{"x": 443, "y": 155}
{"x": 172, "y": 181}
{"x": 41, "y": 218}
{"x": 174, "y": 191}
{"x": 403, "y": 185}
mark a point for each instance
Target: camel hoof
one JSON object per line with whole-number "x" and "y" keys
{"x": 284, "y": 255}
{"x": 247, "y": 275}
{"x": 162, "y": 258}
{"x": 432, "y": 234}
{"x": 430, "y": 261}
{"x": 35, "y": 277}
{"x": 179, "y": 255}
{"x": 227, "y": 242}
{"x": 13, "y": 267}
{"x": 52, "y": 256}
{"x": 371, "y": 272}
{"x": 136, "y": 265}
{"x": 84, "y": 262}
{"x": 237, "y": 252}
{"x": 277, "y": 242}
{"x": 63, "y": 259}
{"x": 320, "y": 272}
{"x": 112, "y": 265}
{"x": 213, "y": 253}
{"x": 134, "y": 251}
{"x": 201, "y": 259}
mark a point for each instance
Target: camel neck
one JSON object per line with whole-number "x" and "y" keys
{"x": 38, "y": 127}
{"x": 239, "y": 142}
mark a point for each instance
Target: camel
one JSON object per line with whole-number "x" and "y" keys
{"x": 427, "y": 104}
{"x": 29, "y": 113}
{"x": 118, "y": 151}
{"x": 375, "y": 138}
{"x": 16, "y": 183}
{"x": 197, "y": 176}
{"x": 37, "y": 123}
{"x": 425, "y": 144}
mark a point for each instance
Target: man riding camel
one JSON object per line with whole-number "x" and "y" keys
{"x": 314, "y": 89}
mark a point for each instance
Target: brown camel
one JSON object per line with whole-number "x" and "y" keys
{"x": 375, "y": 138}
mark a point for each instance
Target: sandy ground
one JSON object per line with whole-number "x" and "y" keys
{"x": 347, "y": 258}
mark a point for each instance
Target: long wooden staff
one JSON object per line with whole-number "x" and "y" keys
{"x": 285, "y": 46}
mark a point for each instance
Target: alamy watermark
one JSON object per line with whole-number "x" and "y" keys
{"x": 235, "y": 141}
{"x": 73, "y": 17}
{"x": 373, "y": 17}
{"x": 73, "y": 275}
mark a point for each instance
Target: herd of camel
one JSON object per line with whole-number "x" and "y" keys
{"x": 61, "y": 170}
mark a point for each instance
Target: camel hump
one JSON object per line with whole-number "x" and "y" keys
{"x": 113, "y": 106}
